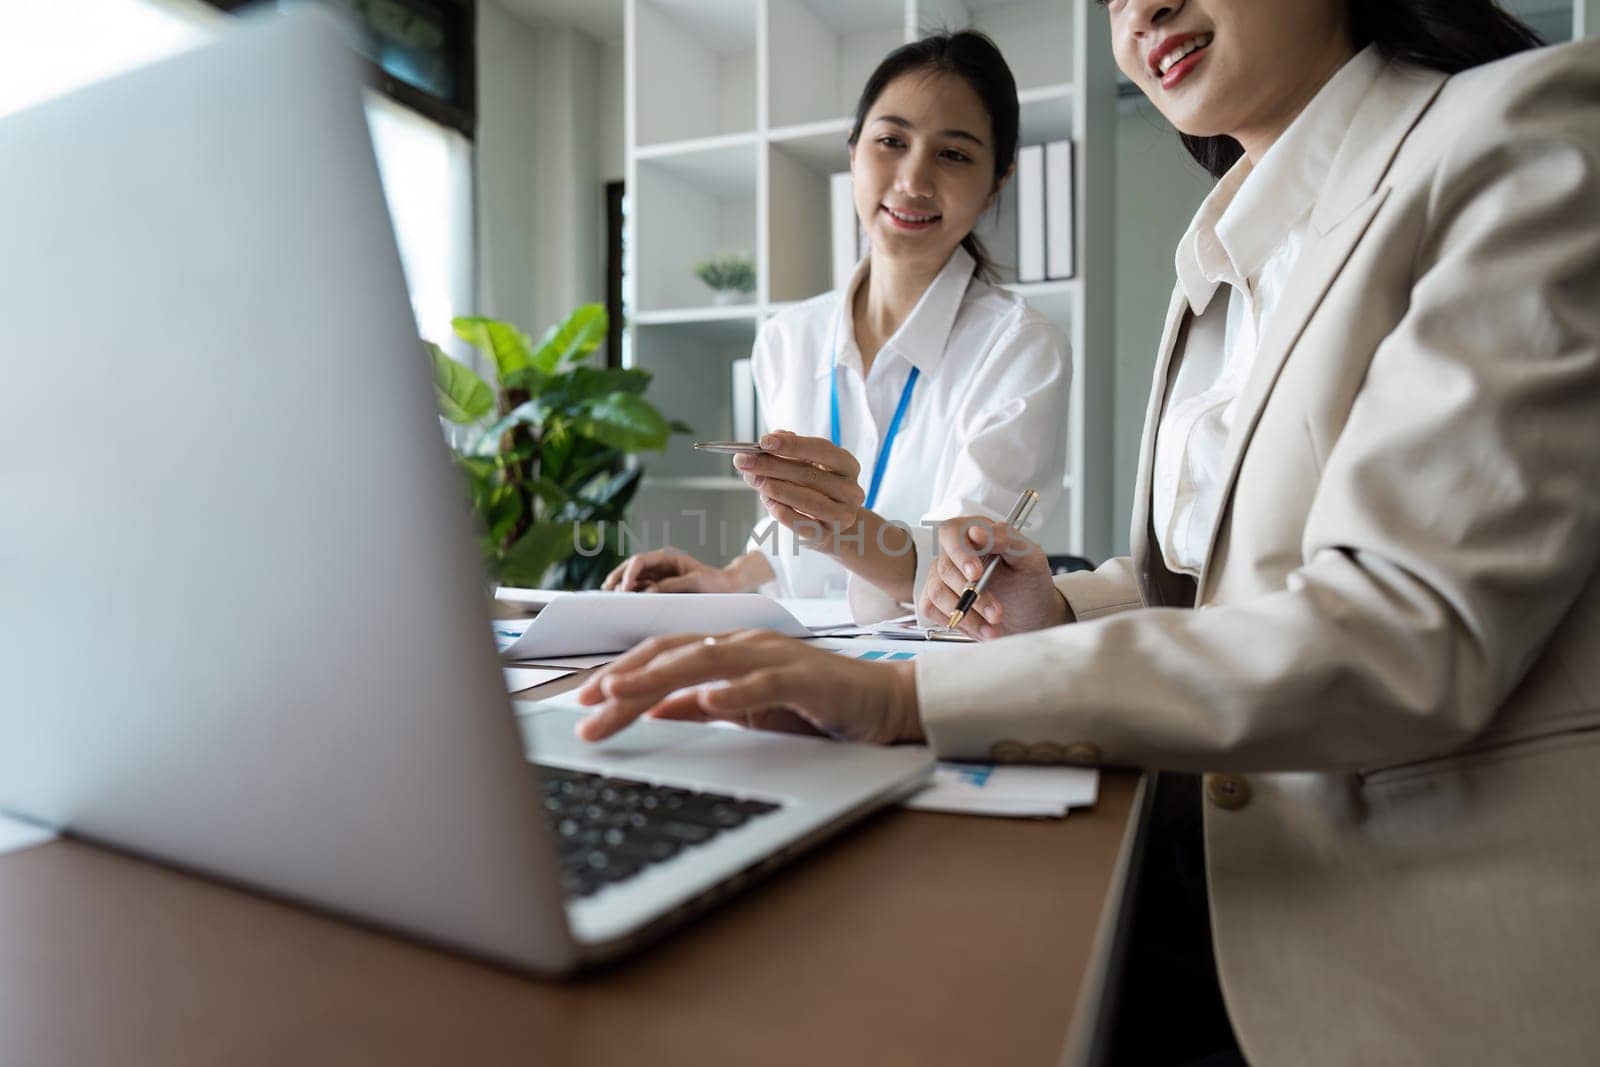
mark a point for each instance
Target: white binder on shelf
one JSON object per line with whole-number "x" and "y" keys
{"x": 743, "y": 406}
{"x": 846, "y": 239}
{"x": 1058, "y": 208}
{"x": 1030, "y": 214}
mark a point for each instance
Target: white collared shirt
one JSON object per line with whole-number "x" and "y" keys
{"x": 987, "y": 417}
{"x": 1247, "y": 234}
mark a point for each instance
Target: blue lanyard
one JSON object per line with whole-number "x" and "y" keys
{"x": 894, "y": 423}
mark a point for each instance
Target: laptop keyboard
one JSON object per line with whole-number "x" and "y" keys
{"x": 609, "y": 829}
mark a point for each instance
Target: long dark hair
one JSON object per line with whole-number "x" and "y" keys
{"x": 1446, "y": 35}
{"x": 972, "y": 56}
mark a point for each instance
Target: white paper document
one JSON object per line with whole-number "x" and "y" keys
{"x": 570, "y": 663}
{"x": 506, "y": 632}
{"x": 520, "y": 678}
{"x": 988, "y": 789}
{"x": 909, "y": 629}
{"x": 884, "y": 650}
{"x": 591, "y": 623}
{"x": 529, "y": 599}
{"x": 819, "y": 614}
{"x": 16, "y": 835}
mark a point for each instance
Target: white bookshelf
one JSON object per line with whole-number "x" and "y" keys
{"x": 737, "y": 113}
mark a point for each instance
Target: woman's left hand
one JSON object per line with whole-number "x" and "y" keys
{"x": 771, "y": 682}
{"x": 806, "y": 483}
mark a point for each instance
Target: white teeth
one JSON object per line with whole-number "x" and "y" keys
{"x": 1193, "y": 44}
{"x": 903, "y": 217}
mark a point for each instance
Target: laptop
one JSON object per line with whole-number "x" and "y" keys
{"x": 245, "y": 629}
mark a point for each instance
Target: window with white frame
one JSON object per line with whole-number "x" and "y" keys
{"x": 51, "y": 47}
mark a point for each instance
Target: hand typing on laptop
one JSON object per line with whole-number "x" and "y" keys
{"x": 772, "y": 682}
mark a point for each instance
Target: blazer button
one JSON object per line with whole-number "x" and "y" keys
{"x": 1083, "y": 752}
{"x": 1008, "y": 751}
{"x": 1046, "y": 752}
{"x": 1228, "y": 791}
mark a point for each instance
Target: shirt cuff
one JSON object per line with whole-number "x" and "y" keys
{"x": 771, "y": 547}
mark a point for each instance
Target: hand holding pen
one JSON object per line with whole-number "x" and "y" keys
{"x": 990, "y": 579}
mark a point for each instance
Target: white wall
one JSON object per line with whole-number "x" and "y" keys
{"x": 1158, "y": 189}
{"x": 545, "y": 127}
{"x": 612, "y": 129}
{"x": 571, "y": 252}
{"x": 507, "y": 219}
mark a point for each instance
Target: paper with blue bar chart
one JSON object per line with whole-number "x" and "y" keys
{"x": 882, "y": 651}
{"x": 1047, "y": 792}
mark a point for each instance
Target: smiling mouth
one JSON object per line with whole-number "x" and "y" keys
{"x": 1182, "y": 52}
{"x": 910, "y": 219}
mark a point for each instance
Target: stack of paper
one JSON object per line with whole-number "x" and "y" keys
{"x": 586, "y": 624}
{"x": 987, "y": 789}
{"x": 520, "y": 678}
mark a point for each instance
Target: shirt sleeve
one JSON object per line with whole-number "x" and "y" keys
{"x": 764, "y": 538}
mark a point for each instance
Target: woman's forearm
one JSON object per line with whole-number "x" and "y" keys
{"x": 750, "y": 571}
{"x": 879, "y": 552}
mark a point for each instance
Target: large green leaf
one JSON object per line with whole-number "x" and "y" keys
{"x": 625, "y": 421}
{"x": 599, "y": 460}
{"x": 525, "y": 563}
{"x": 530, "y": 379}
{"x": 502, "y": 342}
{"x": 480, "y": 480}
{"x": 561, "y": 392}
{"x": 464, "y": 397}
{"x": 609, "y": 495}
{"x": 586, "y": 383}
{"x": 558, "y": 442}
{"x": 552, "y": 494}
{"x": 572, "y": 340}
{"x": 488, "y": 442}
{"x": 502, "y": 514}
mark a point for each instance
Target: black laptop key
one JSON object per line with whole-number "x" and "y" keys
{"x": 608, "y": 829}
{"x": 687, "y": 833}
{"x": 649, "y": 849}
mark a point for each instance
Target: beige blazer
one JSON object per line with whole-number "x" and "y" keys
{"x": 1391, "y": 671}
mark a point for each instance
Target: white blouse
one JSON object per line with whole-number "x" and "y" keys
{"x": 986, "y": 419}
{"x": 1247, "y": 234}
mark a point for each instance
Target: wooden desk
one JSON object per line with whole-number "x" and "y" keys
{"x": 915, "y": 939}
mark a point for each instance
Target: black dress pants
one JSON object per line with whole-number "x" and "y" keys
{"x": 1170, "y": 1010}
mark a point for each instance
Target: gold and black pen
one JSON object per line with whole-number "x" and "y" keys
{"x": 969, "y": 596}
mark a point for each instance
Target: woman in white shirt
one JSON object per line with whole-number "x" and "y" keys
{"x": 920, "y": 391}
{"x": 1363, "y": 598}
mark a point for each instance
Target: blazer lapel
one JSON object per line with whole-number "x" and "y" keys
{"x": 1344, "y": 209}
{"x": 1138, "y": 536}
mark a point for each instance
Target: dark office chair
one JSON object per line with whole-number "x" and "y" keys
{"x": 1067, "y": 564}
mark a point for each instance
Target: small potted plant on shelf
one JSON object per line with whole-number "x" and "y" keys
{"x": 732, "y": 278}
{"x": 545, "y": 460}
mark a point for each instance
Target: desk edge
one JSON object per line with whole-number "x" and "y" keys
{"x": 1088, "y": 1042}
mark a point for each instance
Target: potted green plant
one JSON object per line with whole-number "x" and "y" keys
{"x": 545, "y": 459}
{"x": 731, "y": 278}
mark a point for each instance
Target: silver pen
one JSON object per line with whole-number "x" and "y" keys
{"x": 1018, "y": 516}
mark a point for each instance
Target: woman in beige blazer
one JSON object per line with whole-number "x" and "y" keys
{"x": 1362, "y": 597}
